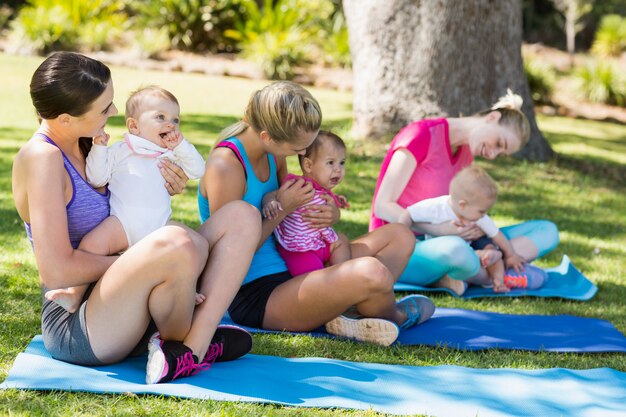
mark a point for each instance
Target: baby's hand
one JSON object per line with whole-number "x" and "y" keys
{"x": 200, "y": 298}
{"x": 514, "y": 261}
{"x": 101, "y": 139}
{"x": 271, "y": 209}
{"x": 343, "y": 202}
{"x": 172, "y": 139}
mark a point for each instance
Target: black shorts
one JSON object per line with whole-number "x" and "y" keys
{"x": 481, "y": 242}
{"x": 248, "y": 307}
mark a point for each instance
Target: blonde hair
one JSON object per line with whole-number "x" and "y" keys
{"x": 136, "y": 97}
{"x": 509, "y": 106}
{"x": 283, "y": 109}
{"x": 473, "y": 182}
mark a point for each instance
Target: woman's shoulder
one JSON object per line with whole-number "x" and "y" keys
{"x": 223, "y": 162}
{"x": 416, "y": 132}
{"x": 37, "y": 152}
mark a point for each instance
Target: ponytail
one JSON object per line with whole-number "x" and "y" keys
{"x": 509, "y": 106}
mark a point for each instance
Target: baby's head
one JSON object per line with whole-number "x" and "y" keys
{"x": 472, "y": 192}
{"x": 324, "y": 160}
{"x": 151, "y": 113}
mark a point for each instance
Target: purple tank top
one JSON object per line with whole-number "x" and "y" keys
{"x": 86, "y": 209}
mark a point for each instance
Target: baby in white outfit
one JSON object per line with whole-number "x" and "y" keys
{"x": 140, "y": 202}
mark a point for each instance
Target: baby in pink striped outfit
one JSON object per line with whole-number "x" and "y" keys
{"x": 303, "y": 247}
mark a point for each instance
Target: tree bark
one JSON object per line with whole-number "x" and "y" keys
{"x": 414, "y": 59}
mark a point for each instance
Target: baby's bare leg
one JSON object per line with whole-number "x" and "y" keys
{"x": 107, "y": 238}
{"x": 489, "y": 255}
{"x": 496, "y": 273}
{"x": 340, "y": 250}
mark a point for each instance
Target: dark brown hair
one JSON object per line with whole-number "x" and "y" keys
{"x": 67, "y": 82}
{"x": 322, "y": 136}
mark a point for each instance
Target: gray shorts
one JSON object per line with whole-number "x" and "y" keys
{"x": 65, "y": 334}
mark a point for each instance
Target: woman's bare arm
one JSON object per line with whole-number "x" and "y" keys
{"x": 59, "y": 264}
{"x": 399, "y": 172}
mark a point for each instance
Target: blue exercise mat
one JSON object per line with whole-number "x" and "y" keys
{"x": 564, "y": 281}
{"x": 479, "y": 330}
{"x": 441, "y": 391}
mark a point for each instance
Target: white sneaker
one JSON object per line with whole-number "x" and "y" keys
{"x": 378, "y": 331}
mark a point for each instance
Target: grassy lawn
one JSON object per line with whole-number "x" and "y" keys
{"x": 583, "y": 192}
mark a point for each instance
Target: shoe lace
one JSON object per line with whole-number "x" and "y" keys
{"x": 215, "y": 351}
{"x": 185, "y": 365}
{"x": 412, "y": 313}
{"x": 516, "y": 281}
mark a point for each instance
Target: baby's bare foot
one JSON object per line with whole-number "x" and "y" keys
{"x": 457, "y": 286}
{"x": 489, "y": 257}
{"x": 65, "y": 299}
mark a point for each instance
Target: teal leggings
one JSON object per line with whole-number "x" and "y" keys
{"x": 452, "y": 256}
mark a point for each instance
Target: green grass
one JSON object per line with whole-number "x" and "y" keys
{"x": 583, "y": 192}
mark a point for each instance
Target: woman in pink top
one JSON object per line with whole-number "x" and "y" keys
{"x": 420, "y": 163}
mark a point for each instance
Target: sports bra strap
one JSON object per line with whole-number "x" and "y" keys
{"x": 233, "y": 147}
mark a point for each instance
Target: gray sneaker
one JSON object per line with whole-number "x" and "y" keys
{"x": 371, "y": 330}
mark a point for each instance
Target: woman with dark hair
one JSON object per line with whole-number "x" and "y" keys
{"x": 152, "y": 286}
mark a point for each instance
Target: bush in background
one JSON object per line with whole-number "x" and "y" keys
{"x": 601, "y": 83}
{"x": 276, "y": 36}
{"x": 42, "y": 26}
{"x": 541, "y": 80}
{"x": 334, "y": 41}
{"x": 193, "y": 25}
{"x": 610, "y": 39}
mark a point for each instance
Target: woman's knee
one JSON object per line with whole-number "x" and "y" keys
{"x": 372, "y": 275}
{"x": 547, "y": 237}
{"x": 243, "y": 216}
{"x": 459, "y": 258}
{"x": 402, "y": 237}
{"x": 176, "y": 248}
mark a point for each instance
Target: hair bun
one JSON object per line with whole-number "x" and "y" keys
{"x": 509, "y": 101}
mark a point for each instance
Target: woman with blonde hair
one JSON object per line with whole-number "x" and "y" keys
{"x": 283, "y": 119}
{"x": 422, "y": 160}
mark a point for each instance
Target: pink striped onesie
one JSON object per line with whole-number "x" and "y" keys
{"x": 304, "y": 248}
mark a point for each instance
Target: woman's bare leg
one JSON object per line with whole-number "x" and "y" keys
{"x": 391, "y": 244}
{"x": 233, "y": 233}
{"x": 154, "y": 278}
{"x": 308, "y": 301}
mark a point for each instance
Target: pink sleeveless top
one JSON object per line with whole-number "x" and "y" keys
{"x": 429, "y": 142}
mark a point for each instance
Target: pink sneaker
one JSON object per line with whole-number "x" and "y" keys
{"x": 228, "y": 343}
{"x": 169, "y": 360}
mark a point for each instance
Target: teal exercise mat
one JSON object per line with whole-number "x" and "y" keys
{"x": 564, "y": 281}
{"x": 441, "y": 391}
{"x": 478, "y": 330}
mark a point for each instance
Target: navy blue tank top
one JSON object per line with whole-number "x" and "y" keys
{"x": 87, "y": 207}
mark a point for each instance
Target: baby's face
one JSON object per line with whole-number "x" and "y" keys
{"x": 158, "y": 116}
{"x": 328, "y": 165}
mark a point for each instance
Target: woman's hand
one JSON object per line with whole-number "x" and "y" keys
{"x": 294, "y": 193}
{"x": 467, "y": 232}
{"x": 322, "y": 215}
{"x": 175, "y": 177}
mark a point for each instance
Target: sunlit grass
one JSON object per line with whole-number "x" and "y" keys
{"x": 583, "y": 192}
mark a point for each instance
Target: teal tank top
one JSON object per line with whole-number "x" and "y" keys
{"x": 266, "y": 260}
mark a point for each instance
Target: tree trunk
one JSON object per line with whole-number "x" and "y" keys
{"x": 413, "y": 59}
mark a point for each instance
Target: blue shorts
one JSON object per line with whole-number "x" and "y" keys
{"x": 481, "y": 243}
